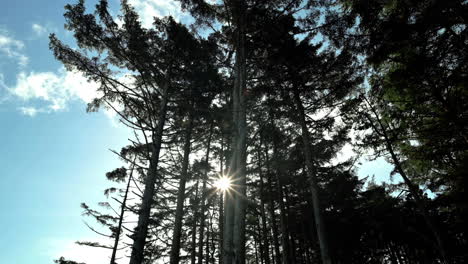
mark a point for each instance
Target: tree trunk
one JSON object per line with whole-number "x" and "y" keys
{"x": 175, "y": 247}
{"x": 213, "y": 244}
{"x": 283, "y": 221}
{"x": 290, "y": 238}
{"x": 203, "y": 197}
{"x": 208, "y": 241}
{"x": 266, "y": 245}
{"x": 258, "y": 237}
{"x": 311, "y": 174}
{"x": 414, "y": 189}
{"x": 221, "y": 219}
{"x": 193, "y": 252}
{"x": 141, "y": 229}
{"x": 228, "y": 225}
{"x": 121, "y": 217}
{"x": 234, "y": 235}
{"x": 239, "y": 216}
{"x": 221, "y": 228}
{"x": 255, "y": 239}
{"x": 271, "y": 208}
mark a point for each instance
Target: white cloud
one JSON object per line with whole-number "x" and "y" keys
{"x": 29, "y": 111}
{"x": 148, "y": 9}
{"x": 55, "y": 89}
{"x": 12, "y": 48}
{"x": 39, "y": 30}
{"x": 10, "y": 43}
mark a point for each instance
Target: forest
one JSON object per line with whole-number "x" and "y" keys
{"x": 239, "y": 119}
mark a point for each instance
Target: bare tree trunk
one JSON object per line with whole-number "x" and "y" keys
{"x": 121, "y": 217}
{"x": 213, "y": 244}
{"x": 228, "y": 225}
{"x": 193, "y": 252}
{"x": 255, "y": 239}
{"x": 207, "y": 247}
{"x": 283, "y": 221}
{"x": 290, "y": 239}
{"x": 221, "y": 222}
{"x": 221, "y": 219}
{"x": 240, "y": 201}
{"x": 272, "y": 213}
{"x": 141, "y": 229}
{"x": 311, "y": 173}
{"x": 234, "y": 235}
{"x": 175, "y": 247}
{"x": 258, "y": 237}
{"x": 203, "y": 197}
{"x": 266, "y": 245}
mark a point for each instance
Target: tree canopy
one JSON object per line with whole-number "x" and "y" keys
{"x": 264, "y": 95}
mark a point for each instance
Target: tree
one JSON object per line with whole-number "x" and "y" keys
{"x": 321, "y": 79}
{"x": 422, "y": 80}
{"x": 62, "y": 260}
{"x": 113, "y": 221}
{"x": 414, "y": 50}
{"x": 137, "y": 69}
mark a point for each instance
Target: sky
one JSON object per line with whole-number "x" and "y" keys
{"x": 54, "y": 155}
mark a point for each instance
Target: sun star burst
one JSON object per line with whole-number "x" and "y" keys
{"x": 223, "y": 183}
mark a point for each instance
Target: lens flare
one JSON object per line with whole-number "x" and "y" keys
{"x": 223, "y": 183}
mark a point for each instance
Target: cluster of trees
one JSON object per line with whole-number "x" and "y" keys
{"x": 267, "y": 93}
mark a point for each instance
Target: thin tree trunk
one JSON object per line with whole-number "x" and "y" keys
{"x": 141, "y": 229}
{"x": 302, "y": 246}
{"x": 175, "y": 247}
{"x": 221, "y": 222}
{"x": 221, "y": 208}
{"x": 229, "y": 199}
{"x": 207, "y": 248}
{"x": 272, "y": 212}
{"x": 283, "y": 222}
{"x": 255, "y": 239}
{"x": 266, "y": 245}
{"x": 414, "y": 189}
{"x": 259, "y": 238}
{"x": 121, "y": 217}
{"x": 193, "y": 253}
{"x": 228, "y": 224}
{"x": 290, "y": 239}
{"x": 311, "y": 173}
{"x": 203, "y": 206}
{"x": 213, "y": 244}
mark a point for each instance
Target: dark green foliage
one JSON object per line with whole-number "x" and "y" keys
{"x": 62, "y": 260}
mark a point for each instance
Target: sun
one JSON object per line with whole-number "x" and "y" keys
{"x": 223, "y": 183}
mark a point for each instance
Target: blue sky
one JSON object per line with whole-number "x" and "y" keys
{"x": 54, "y": 155}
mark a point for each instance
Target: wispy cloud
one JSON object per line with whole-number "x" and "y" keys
{"x": 12, "y": 48}
{"x": 39, "y": 30}
{"x": 29, "y": 111}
